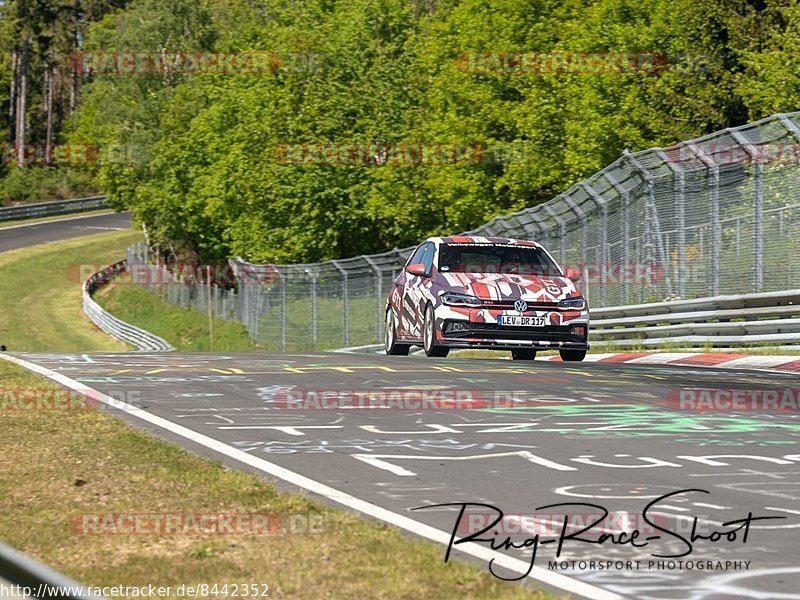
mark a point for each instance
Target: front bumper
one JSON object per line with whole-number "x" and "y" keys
{"x": 457, "y": 333}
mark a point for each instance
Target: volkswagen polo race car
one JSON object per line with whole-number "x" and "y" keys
{"x": 486, "y": 292}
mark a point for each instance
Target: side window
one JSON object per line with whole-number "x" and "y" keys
{"x": 427, "y": 257}
{"x": 416, "y": 258}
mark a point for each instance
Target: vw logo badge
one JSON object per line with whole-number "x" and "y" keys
{"x": 520, "y": 306}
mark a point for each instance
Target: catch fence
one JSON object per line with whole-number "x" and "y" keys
{"x": 715, "y": 215}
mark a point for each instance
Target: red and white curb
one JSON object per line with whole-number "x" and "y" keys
{"x": 786, "y": 364}
{"x": 726, "y": 360}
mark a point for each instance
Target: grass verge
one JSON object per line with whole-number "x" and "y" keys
{"x": 184, "y": 328}
{"x": 40, "y": 294}
{"x": 59, "y": 467}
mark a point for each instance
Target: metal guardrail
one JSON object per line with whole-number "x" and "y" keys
{"x": 769, "y": 317}
{"x": 36, "y": 580}
{"x": 125, "y": 332}
{"x": 47, "y": 209}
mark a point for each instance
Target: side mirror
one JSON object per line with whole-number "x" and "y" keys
{"x": 417, "y": 269}
{"x": 573, "y": 275}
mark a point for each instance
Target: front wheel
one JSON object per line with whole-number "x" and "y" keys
{"x": 390, "y": 338}
{"x": 523, "y": 354}
{"x": 572, "y": 355}
{"x": 429, "y": 336}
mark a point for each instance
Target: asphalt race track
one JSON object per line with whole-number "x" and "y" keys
{"x": 12, "y": 238}
{"x": 609, "y": 435}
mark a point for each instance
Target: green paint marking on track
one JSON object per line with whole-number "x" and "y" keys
{"x": 636, "y": 420}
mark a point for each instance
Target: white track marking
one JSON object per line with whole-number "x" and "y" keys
{"x": 356, "y": 349}
{"x": 589, "y": 357}
{"x": 381, "y": 461}
{"x": 757, "y": 362}
{"x": 105, "y": 228}
{"x": 563, "y": 582}
{"x": 662, "y": 357}
{"x": 706, "y": 505}
{"x": 786, "y": 510}
{"x": 670, "y": 507}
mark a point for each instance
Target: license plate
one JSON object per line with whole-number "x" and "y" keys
{"x": 520, "y": 321}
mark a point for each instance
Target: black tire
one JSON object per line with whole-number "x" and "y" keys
{"x": 523, "y": 354}
{"x": 390, "y": 338}
{"x": 572, "y": 355}
{"x": 429, "y": 336}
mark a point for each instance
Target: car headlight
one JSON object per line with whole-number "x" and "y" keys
{"x": 574, "y": 303}
{"x": 455, "y": 299}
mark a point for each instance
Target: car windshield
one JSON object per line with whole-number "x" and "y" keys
{"x": 496, "y": 258}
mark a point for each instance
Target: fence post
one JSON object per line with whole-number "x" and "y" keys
{"x": 313, "y": 310}
{"x": 758, "y": 209}
{"x": 792, "y": 127}
{"x": 626, "y": 233}
{"x": 652, "y": 227}
{"x": 679, "y": 189}
{"x": 626, "y": 251}
{"x": 378, "y": 298}
{"x": 601, "y": 205}
{"x": 716, "y": 226}
{"x": 345, "y": 304}
{"x": 758, "y": 227}
{"x": 680, "y": 215}
{"x": 283, "y": 312}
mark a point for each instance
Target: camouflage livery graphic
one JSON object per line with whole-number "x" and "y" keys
{"x": 481, "y": 292}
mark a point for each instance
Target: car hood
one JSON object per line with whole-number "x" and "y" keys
{"x": 496, "y": 286}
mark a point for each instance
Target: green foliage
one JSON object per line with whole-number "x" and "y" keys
{"x": 39, "y": 88}
{"x": 202, "y": 169}
{"x": 44, "y": 183}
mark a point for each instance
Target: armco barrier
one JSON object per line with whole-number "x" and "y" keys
{"x": 125, "y": 332}
{"x": 767, "y": 318}
{"x": 47, "y": 209}
{"x": 42, "y": 581}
